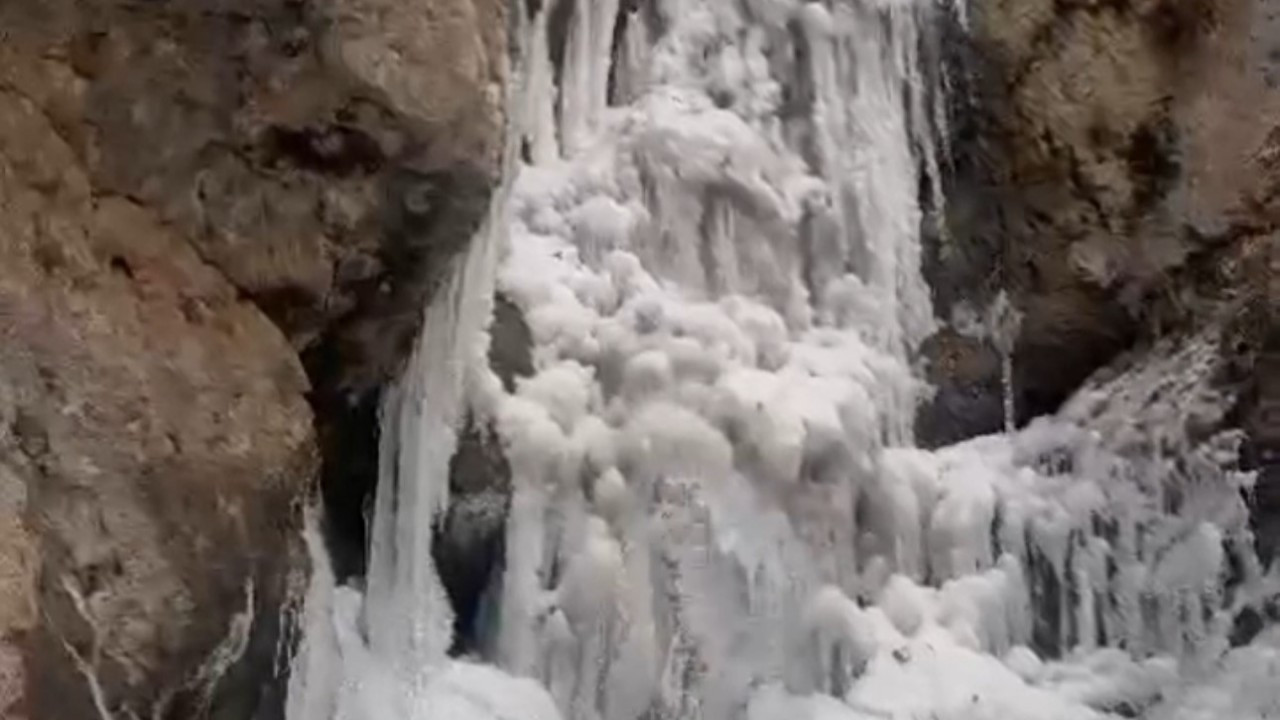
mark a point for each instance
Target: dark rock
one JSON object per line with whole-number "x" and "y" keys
{"x": 968, "y": 398}
{"x": 470, "y": 541}
{"x": 1248, "y": 624}
{"x": 511, "y": 343}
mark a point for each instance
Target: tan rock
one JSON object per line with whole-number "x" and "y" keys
{"x": 18, "y": 562}
{"x": 160, "y": 430}
{"x": 211, "y": 213}
{"x": 1113, "y": 166}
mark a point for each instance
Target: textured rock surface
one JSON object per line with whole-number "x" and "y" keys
{"x": 211, "y": 213}
{"x": 1107, "y": 164}
{"x": 1115, "y": 166}
{"x": 154, "y": 439}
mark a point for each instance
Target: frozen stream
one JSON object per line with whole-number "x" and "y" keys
{"x": 718, "y": 510}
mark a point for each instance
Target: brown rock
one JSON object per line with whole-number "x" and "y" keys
{"x": 1119, "y": 170}
{"x": 157, "y": 428}
{"x": 219, "y": 223}
{"x": 1107, "y": 167}
{"x": 18, "y": 563}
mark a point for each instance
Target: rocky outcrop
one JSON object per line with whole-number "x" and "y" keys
{"x": 219, "y": 222}
{"x": 1115, "y": 168}
{"x": 1108, "y": 166}
{"x": 154, "y": 441}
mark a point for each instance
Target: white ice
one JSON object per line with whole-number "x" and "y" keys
{"x": 718, "y": 512}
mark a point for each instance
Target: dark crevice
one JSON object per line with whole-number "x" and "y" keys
{"x": 708, "y": 225}
{"x": 427, "y": 220}
{"x": 511, "y": 343}
{"x": 469, "y": 545}
{"x": 1246, "y": 626}
{"x": 1178, "y": 26}
{"x": 1252, "y": 374}
{"x": 335, "y": 150}
{"x": 350, "y": 434}
{"x": 1152, "y": 156}
{"x": 1069, "y": 362}
{"x": 122, "y": 266}
{"x": 627, "y": 14}
{"x": 1071, "y": 592}
{"x": 558, "y": 25}
{"x": 1046, "y": 603}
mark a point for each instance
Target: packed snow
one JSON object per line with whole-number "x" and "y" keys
{"x": 718, "y": 511}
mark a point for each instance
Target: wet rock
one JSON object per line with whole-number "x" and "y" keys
{"x": 968, "y": 397}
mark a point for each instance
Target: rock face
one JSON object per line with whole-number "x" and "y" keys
{"x": 1116, "y": 168}
{"x": 1109, "y": 164}
{"x": 219, "y": 222}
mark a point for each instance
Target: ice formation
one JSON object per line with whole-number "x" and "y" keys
{"x": 718, "y": 512}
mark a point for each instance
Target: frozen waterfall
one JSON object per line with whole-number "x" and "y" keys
{"x": 718, "y": 512}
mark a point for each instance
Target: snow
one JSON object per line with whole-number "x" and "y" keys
{"x": 718, "y": 511}
{"x": 934, "y": 676}
{"x": 1241, "y": 687}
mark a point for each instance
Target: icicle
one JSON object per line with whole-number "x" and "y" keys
{"x": 1005, "y": 322}
{"x": 316, "y": 669}
{"x": 539, "y": 98}
{"x": 585, "y": 84}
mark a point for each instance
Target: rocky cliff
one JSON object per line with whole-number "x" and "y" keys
{"x": 1111, "y": 167}
{"x": 1114, "y": 168}
{"x": 219, "y": 220}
